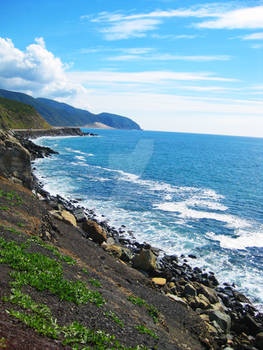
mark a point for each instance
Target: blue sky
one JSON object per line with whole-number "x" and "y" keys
{"x": 187, "y": 66}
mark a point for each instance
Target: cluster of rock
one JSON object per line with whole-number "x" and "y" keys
{"x": 65, "y": 131}
{"x": 231, "y": 319}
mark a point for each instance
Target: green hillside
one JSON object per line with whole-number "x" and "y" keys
{"x": 62, "y": 114}
{"x": 17, "y": 115}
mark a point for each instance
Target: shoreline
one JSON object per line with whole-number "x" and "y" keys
{"x": 227, "y": 313}
{"x": 173, "y": 271}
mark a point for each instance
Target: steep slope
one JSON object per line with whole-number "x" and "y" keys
{"x": 61, "y": 114}
{"x": 17, "y": 115}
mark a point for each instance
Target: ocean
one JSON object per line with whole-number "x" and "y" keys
{"x": 184, "y": 193}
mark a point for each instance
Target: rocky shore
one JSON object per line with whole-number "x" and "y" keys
{"x": 35, "y": 133}
{"x": 230, "y": 320}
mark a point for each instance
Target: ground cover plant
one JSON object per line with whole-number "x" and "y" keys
{"x": 45, "y": 273}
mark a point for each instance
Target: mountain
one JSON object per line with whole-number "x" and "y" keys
{"x": 17, "y": 115}
{"x": 62, "y": 114}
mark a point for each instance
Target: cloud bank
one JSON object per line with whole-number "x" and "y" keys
{"x": 35, "y": 70}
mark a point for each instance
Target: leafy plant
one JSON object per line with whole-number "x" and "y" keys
{"x": 94, "y": 282}
{"x": 136, "y": 300}
{"x": 152, "y": 310}
{"x": 115, "y": 318}
{"x": 144, "y": 330}
{"x": 4, "y": 208}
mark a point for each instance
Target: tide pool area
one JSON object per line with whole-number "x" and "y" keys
{"x": 184, "y": 193}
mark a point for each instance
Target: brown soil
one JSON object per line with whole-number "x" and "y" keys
{"x": 179, "y": 327}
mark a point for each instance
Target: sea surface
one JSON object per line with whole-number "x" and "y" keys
{"x": 184, "y": 193}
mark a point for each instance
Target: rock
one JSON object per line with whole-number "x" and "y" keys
{"x": 68, "y": 217}
{"x": 113, "y": 249}
{"x": 94, "y": 231}
{"x": 126, "y": 255}
{"x": 203, "y": 302}
{"x": 208, "y": 292}
{"x": 79, "y": 214}
{"x": 218, "y": 307}
{"x": 259, "y": 340}
{"x": 177, "y": 299}
{"x": 56, "y": 214}
{"x": 250, "y": 325}
{"x": 145, "y": 260}
{"x": 222, "y": 319}
{"x": 14, "y": 160}
{"x": 159, "y": 281}
{"x": 110, "y": 241}
{"x": 189, "y": 290}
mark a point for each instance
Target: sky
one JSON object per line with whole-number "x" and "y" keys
{"x": 170, "y": 65}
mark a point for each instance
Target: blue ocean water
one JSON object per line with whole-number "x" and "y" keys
{"x": 184, "y": 193}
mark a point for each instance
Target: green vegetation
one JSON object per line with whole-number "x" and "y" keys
{"x": 136, "y": 300}
{"x": 54, "y": 250}
{"x": 17, "y": 115}
{"x": 152, "y": 310}
{"x": 115, "y": 318}
{"x": 11, "y": 196}
{"x": 95, "y": 283}
{"x": 4, "y": 208}
{"x": 144, "y": 330}
{"x": 11, "y": 229}
{"x": 44, "y": 273}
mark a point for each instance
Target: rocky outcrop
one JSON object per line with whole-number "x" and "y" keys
{"x": 35, "y": 133}
{"x": 14, "y": 160}
{"x": 94, "y": 231}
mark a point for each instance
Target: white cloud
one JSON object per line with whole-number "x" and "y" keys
{"x": 173, "y": 37}
{"x": 36, "y": 70}
{"x": 168, "y": 57}
{"x": 127, "y": 29}
{"x": 150, "y": 77}
{"x": 184, "y": 113}
{"x": 123, "y": 26}
{"x": 244, "y": 18}
{"x": 228, "y": 16}
{"x": 254, "y": 36}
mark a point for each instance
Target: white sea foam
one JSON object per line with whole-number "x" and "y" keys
{"x": 81, "y": 158}
{"x": 78, "y": 152}
{"x": 242, "y": 240}
{"x": 186, "y": 213}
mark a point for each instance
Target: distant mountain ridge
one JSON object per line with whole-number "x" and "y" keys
{"x": 62, "y": 114}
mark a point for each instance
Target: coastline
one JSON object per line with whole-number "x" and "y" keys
{"x": 224, "y": 310}
{"x": 170, "y": 268}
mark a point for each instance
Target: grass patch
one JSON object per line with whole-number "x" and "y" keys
{"x": 136, "y": 300}
{"x": 54, "y": 250}
{"x": 144, "y": 330}
{"x": 44, "y": 273}
{"x": 115, "y": 318}
{"x": 4, "y": 208}
{"x": 94, "y": 282}
{"x": 152, "y": 310}
{"x": 11, "y": 196}
{"x": 10, "y": 229}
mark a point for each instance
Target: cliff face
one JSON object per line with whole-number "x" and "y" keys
{"x": 14, "y": 160}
